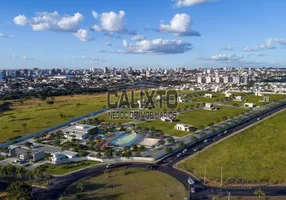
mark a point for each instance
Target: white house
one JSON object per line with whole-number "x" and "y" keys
{"x": 209, "y": 95}
{"x": 182, "y": 127}
{"x": 228, "y": 95}
{"x": 250, "y": 105}
{"x": 209, "y": 106}
{"x": 166, "y": 119}
{"x": 78, "y": 131}
{"x": 258, "y": 93}
{"x": 181, "y": 100}
{"x": 64, "y": 156}
{"x": 238, "y": 98}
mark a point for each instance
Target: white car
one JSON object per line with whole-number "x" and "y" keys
{"x": 193, "y": 190}
{"x": 191, "y": 181}
{"x": 111, "y": 165}
{"x": 185, "y": 151}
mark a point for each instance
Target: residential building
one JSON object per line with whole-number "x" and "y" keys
{"x": 78, "y": 131}
{"x": 183, "y": 127}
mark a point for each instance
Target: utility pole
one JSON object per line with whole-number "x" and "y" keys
{"x": 221, "y": 177}
{"x": 205, "y": 177}
{"x": 228, "y": 195}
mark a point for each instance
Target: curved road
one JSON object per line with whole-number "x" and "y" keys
{"x": 60, "y": 184}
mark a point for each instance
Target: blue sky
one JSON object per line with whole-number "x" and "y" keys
{"x": 58, "y": 34}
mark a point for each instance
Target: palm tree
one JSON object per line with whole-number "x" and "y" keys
{"x": 49, "y": 157}
{"x": 259, "y": 193}
{"x": 28, "y": 154}
{"x": 80, "y": 186}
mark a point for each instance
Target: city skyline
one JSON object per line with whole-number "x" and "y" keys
{"x": 166, "y": 34}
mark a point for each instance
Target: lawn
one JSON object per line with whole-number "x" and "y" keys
{"x": 195, "y": 118}
{"x": 67, "y": 168}
{"x": 35, "y": 115}
{"x": 137, "y": 184}
{"x": 255, "y": 155}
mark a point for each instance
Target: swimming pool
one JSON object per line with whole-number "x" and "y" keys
{"x": 127, "y": 139}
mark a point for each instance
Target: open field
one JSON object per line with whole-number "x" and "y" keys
{"x": 256, "y": 155}
{"x": 35, "y": 115}
{"x": 67, "y": 168}
{"x": 195, "y": 118}
{"x": 137, "y": 184}
{"x": 257, "y": 99}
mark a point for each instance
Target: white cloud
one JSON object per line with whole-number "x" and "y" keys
{"x": 22, "y": 57}
{"x": 107, "y": 44}
{"x": 83, "y": 35}
{"x": 111, "y": 22}
{"x": 270, "y": 44}
{"x": 7, "y": 36}
{"x": 125, "y": 44}
{"x": 138, "y": 38}
{"x": 223, "y": 57}
{"x": 181, "y": 3}
{"x": 94, "y": 14}
{"x": 157, "y": 46}
{"x": 228, "y": 48}
{"x": 50, "y": 21}
{"x": 180, "y": 25}
{"x": 92, "y": 60}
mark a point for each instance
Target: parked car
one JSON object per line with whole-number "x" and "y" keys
{"x": 206, "y": 140}
{"x": 219, "y": 134}
{"x": 191, "y": 181}
{"x": 225, "y": 132}
{"x": 110, "y": 165}
{"x": 179, "y": 155}
{"x": 153, "y": 167}
{"x": 193, "y": 190}
{"x": 185, "y": 150}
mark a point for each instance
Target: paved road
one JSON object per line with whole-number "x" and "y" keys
{"x": 166, "y": 166}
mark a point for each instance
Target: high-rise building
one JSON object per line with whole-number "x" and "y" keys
{"x": 106, "y": 70}
{"x": 201, "y": 79}
{"x": 148, "y": 74}
{"x": 236, "y": 79}
{"x": 226, "y": 79}
{"x": 218, "y": 79}
{"x": 208, "y": 79}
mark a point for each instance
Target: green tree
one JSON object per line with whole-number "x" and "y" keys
{"x": 19, "y": 191}
{"x": 168, "y": 150}
{"x": 181, "y": 144}
{"x": 161, "y": 142}
{"x": 170, "y": 140}
{"x": 80, "y": 186}
{"x": 259, "y": 193}
{"x": 48, "y": 157}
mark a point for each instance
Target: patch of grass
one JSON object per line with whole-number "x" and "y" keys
{"x": 255, "y": 155}
{"x": 195, "y": 118}
{"x": 35, "y": 115}
{"x": 67, "y": 168}
{"x": 137, "y": 184}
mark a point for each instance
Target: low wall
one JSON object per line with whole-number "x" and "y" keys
{"x": 121, "y": 159}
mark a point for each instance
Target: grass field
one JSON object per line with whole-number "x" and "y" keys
{"x": 67, "y": 168}
{"x": 35, "y": 115}
{"x": 256, "y": 155}
{"x": 137, "y": 184}
{"x": 195, "y": 118}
